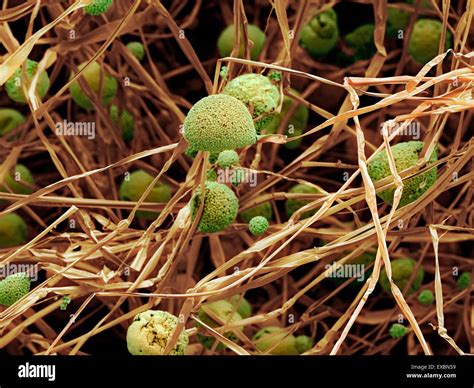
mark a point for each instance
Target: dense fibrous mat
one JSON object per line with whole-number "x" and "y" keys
{"x": 95, "y": 262}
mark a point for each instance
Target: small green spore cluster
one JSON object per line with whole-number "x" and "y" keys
{"x": 361, "y": 40}
{"x": 264, "y": 210}
{"x": 150, "y": 332}
{"x": 9, "y": 120}
{"x": 98, "y": 7}
{"x": 258, "y": 225}
{"x": 424, "y": 40}
{"x": 219, "y": 122}
{"x": 320, "y": 35}
{"x": 292, "y": 205}
{"x": 261, "y": 97}
{"x": 426, "y": 297}
{"x": 19, "y": 182}
{"x": 402, "y": 270}
{"x": 397, "y": 330}
{"x": 13, "y": 230}
{"x": 225, "y": 42}
{"x": 227, "y": 158}
{"x": 13, "y": 288}
{"x": 137, "y": 50}
{"x": 126, "y": 123}
{"x": 465, "y": 280}
{"x": 276, "y": 341}
{"x": 406, "y": 155}
{"x": 13, "y": 86}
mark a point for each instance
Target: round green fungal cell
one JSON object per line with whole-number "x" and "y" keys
{"x": 133, "y": 187}
{"x": 424, "y": 40}
{"x": 303, "y": 343}
{"x": 292, "y": 205}
{"x": 13, "y": 288}
{"x": 18, "y": 182}
{"x": 150, "y": 331}
{"x": 465, "y": 280}
{"x": 225, "y": 42}
{"x": 397, "y": 20}
{"x": 227, "y": 158}
{"x": 275, "y": 340}
{"x": 258, "y": 225}
{"x": 217, "y": 123}
{"x": 93, "y": 75}
{"x": 296, "y": 124}
{"x": 244, "y": 308}
{"x": 406, "y": 155}
{"x": 426, "y": 297}
{"x": 127, "y": 122}
{"x": 219, "y": 210}
{"x": 402, "y": 270}
{"x": 98, "y": 7}
{"x": 264, "y": 210}
{"x": 13, "y": 230}
{"x": 9, "y": 120}
{"x": 137, "y": 50}
{"x": 214, "y": 315}
{"x": 259, "y": 95}
{"x": 361, "y": 40}
{"x": 320, "y": 35}
{"x": 397, "y": 331}
{"x": 14, "y": 88}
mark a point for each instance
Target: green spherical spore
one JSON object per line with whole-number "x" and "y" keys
{"x": 227, "y": 158}
{"x": 397, "y": 20}
{"x": 426, "y": 297}
{"x": 127, "y": 122}
{"x": 397, "y": 331}
{"x": 13, "y": 85}
{"x": 405, "y": 155}
{"x": 98, "y": 7}
{"x": 465, "y": 280}
{"x": 258, "y": 225}
{"x": 424, "y": 40}
{"x": 264, "y": 210}
{"x": 303, "y": 343}
{"x": 402, "y": 270}
{"x": 244, "y": 308}
{"x": 275, "y": 340}
{"x": 12, "y": 230}
{"x": 361, "y": 40}
{"x": 259, "y": 95}
{"x": 19, "y": 182}
{"x": 13, "y": 288}
{"x": 9, "y": 120}
{"x": 137, "y": 49}
{"x": 133, "y": 187}
{"x": 225, "y": 43}
{"x": 93, "y": 78}
{"x": 321, "y": 34}
{"x": 217, "y": 314}
{"x": 220, "y": 207}
{"x": 219, "y": 122}
{"x": 150, "y": 332}
{"x": 293, "y": 205}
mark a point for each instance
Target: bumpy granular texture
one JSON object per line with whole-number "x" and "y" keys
{"x": 361, "y": 40}
{"x": 225, "y": 43}
{"x": 227, "y": 158}
{"x": 465, "y": 280}
{"x": 424, "y": 40}
{"x": 92, "y": 75}
{"x": 150, "y": 332}
{"x": 98, "y": 7}
{"x": 19, "y": 181}
{"x": 259, "y": 95}
{"x": 137, "y": 49}
{"x": 264, "y": 210}
{"x": 402, "y": 270}
{"x": 219, "y": 210}
{"x": 133, "y": 187}
{"x": 217, "y": 123}
{"x": 397, "y": 330}
{"x": 13, "y": 288}
{"x": 321, "y": 34}
{"x": 293, "y": 205}
{"x": 14, "y": 88}
{"x": 296, "y": 123}
{"x": 303, "y": 343}
{"x": 9, "y": 120}
{"x": 127, "y": 122}
{"x": 224, "y": 312}
{"x": 258, "y": 225}
{"x": 426, "y": 297}
{"x": 405, "y": 155}
{"x": 13, "y": 230}
{"x": 244, "y": 308}
{"x": 275, "y": 340}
